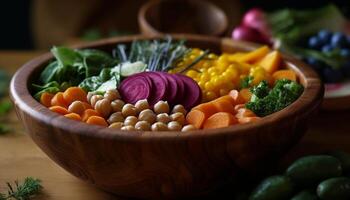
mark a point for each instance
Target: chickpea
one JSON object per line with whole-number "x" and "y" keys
{"x": 131, "y": 120}
{"x": 148, "y": 116}
{"x": 189, "y": 127}
{"x": 115, "y": 117}
{"x": 163, "y": 117}
{"x": 143, "y": 126}
{"x": 103, "y": 107}
{"x": 174, "y": 126}
{"x": 128, "y": 128}
{"x": 128, "y": 110}
{"x": 159, "y": 126}
{"x": 179, "y": 117}
{"x": 116, "y": 125}
{"x": 161, "y": 107}
{"x": 94, "y": 99}
{"x": 141, "y": 105}
{"x": 179, "y": 108}
{"x": 76, "y": 107}
{"x": 89, "y": 95}
{"x": 117, "y": 105}
{"x": 112, "y": 95}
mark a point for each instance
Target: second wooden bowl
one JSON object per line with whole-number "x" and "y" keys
{"x": 182, "y": 16}
{"x": 163, "y": 164}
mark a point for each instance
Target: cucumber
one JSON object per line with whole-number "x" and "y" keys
{"x": 334, "y": 189}
{"x": 305, "y": 195}
{"x": 273, "y": 188}
{"x": 311, "y": 170}
{"x": 344, "y": 159}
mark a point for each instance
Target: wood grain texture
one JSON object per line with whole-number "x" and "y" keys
{"x": 163, "y": 164}
{"x": 182, "y": 16}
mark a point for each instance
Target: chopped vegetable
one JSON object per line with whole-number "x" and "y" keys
{"x": 265, "y": 101}
{"x": 220, "y": 120}
{"x": 25, "y": 191}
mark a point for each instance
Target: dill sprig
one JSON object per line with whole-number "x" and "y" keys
{"x": 28, "y": 189}
{"x": 159, "y": 55}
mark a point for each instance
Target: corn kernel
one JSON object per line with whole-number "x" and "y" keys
{"x": 210, "y": 95}
{"x": 192, "y": 73}
{"x": 209, "y": 86}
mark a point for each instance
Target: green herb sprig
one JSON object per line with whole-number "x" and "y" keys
{"x": 25, "y": 191}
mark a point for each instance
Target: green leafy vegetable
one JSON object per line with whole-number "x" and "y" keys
{"x": 265, "y": 101}
{"x": 5, "y": 107}
{"x": 289, "y": 25}
{"x": 25, "y": 191}
{"x": 246, "y": 82}
{"x": 71, "y": 67}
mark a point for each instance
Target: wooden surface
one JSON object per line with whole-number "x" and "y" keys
{"x": 20, "y": 157}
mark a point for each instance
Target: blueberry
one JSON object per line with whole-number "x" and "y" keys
{"x": 331, "y": 75}
{"x": 338, "y": 40}
{"x": 324, "y": 36}
{"x": 314, "y": 43}
{"x": 327, "y": 48}
{"x": 345, "y": 53}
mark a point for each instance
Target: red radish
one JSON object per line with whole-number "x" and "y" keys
{"x": 248, "y": 34}
{"x": 255, "y": 18}
{"x": 135, "y": 88}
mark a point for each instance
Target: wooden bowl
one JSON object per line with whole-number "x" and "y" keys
{"x": 182, "y": 16}
{"x": 163, "y": 164}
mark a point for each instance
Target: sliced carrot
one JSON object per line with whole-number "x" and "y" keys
{"x": 75, "y": 94}
{"x": 224, "y": 106}
{"x": 96, "y": 120}
{"x": 58, "y": 100}
{"x": 239, "y": 106}
{"x": 237, "y": 97}
{"x": 87, "y": 105}
{"x": 244, "y": 120}
{"x": 245, "y": 112}
{"x": 225, "y": 97}
{"x": 73, "y": 116}
{"x": 245, "y": 94}
{"x": 208, "y": 108}
{"x": 88, "y": 113}
{"x": 46, "y": 98}
{"x": 220, "y": 120}
{"x": 59, "y": 109}
{"x": 284, "y": 74}
{"x": 196, "y": 118}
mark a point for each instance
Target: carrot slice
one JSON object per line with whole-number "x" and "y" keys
{"x": 220, "y": 120}
{"x": 208, "y": 108}
{"x": 245, "y": 94}
{"x": 224, "y": 106}
{"x": 96, "y": 120}
{"x": 59, "y": 109}
{"x": 225, "y": 97}
{"x": 245, "y": 112}
{"x": 73, "y": 116}
{"x": 244, "y": 120}
{"x": 87, "y": 105}
{"x": 46, "y": 98}
{"x": 284, "y": 74}
{"x": 239, "y": 106}
{"x": 237, "y": 97}
{"x": 196, "y": 118}
{"x": 74, "y": 94}
{"x": 58, "y": 100}
{"x": 88, "y": 113}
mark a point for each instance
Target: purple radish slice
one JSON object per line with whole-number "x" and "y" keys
{"x": 192, "y": 95}
{"x": 172, "y": 87}
{"x": 159, "y": 84}
{"x": 180, "y": 91}
{"x": 134, "y": 88}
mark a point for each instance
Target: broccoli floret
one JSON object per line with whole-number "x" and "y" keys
{"x": 265, "y": 101}
{"x": 246, "y": 81}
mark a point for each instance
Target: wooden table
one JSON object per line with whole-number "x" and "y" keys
{"x": 20, "y": 157}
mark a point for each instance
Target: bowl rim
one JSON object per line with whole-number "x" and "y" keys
{"x": 142, "y": 18}
{"x": 310, "y": 99}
